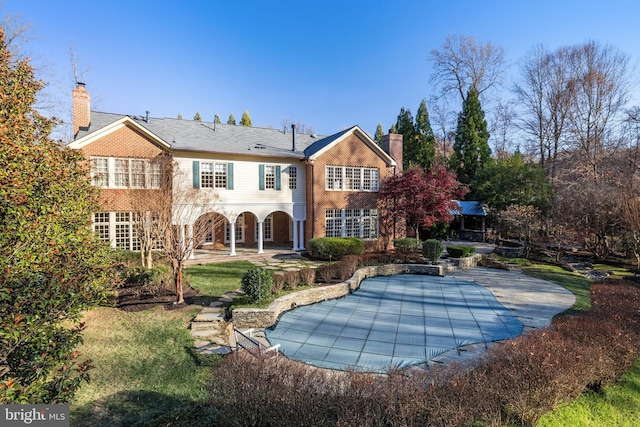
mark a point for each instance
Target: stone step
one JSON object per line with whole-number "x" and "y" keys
{"x": 205, "y": 333}
{"x": 209, "y": 317}
{"x": 201, "y": 326}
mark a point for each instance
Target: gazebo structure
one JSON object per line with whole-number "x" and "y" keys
{"x": 470, "y": 221}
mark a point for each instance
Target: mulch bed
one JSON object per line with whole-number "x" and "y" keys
{"x": 137, "y": 298}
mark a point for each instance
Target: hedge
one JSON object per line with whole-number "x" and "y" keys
{"x": 460, "y": 251}
{"x": 334, "y": 248}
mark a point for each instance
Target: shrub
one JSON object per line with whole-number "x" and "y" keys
{"x": 334, "y": 248}
{"x": 407, "y": 245}
{"x": 460, "y": 251}
{"x": 256, "y": 283}
{"x": 347, "y": 266}
{"x": 328, "y": 272}
{"x": 432, "y": 250}
{"x": 292, "y": 278}
{"x": 278, "y": 282}
{"x": 308, "y": 276}
{"x": 372, "y": 246}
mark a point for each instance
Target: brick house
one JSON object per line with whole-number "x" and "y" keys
{"x": 271, "y": 186}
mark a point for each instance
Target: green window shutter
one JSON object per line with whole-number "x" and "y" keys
{"x": 229, "y": 176}
{"x": 278, "y": 178}
{"x": 261, "y": 176}
{"x": 196, "y": 174}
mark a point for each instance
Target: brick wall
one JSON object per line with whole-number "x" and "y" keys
{"x": 125, "y": 142}
{"x": 352, "y": 151}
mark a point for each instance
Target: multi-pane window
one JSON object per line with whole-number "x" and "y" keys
{"x": 269, "y": 177}
{"x": 101, "y": 225}
{"x": 220, "y": 175}
{"x": 100, "y": 171}
{"x": 125, "y": 173}
{"x": 362, "y": 223}
{"x": 351, "y": 178}
{"x": 213, "y": 175}
{"x": 121, "y": 172}
{"x": 206, "y": 175}
{"x": 333, "y": 223}
{"x": 293, "y": 177}
{"x": 123, "y": 230}
{"x": 138, "y": 173}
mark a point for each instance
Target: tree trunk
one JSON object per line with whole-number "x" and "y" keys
{"x": 149, "y": 258}
{"x": 177, "y": 278}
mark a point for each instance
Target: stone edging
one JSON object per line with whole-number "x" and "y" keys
{"x": 266, "y": 317}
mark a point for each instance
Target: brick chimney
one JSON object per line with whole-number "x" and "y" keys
{"x": 81, "y": 108}
{"x": 392, "y": 145}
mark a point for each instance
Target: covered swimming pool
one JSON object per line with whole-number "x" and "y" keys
{"x": 400, "y": 320}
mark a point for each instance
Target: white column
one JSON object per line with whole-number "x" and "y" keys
{"x": 301, "y": 245}
{"x": 190, "y": 237}
{"x": 260, "y": 237}
{"x": 232, "y": 238}
{"x": 295, "y": 235}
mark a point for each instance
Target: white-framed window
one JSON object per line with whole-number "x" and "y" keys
{"x": 101, "y": 225}
{"x": 239, "y": 230}
{"x": 293, "y": 177}
{"x": 114, "y": 172}
{"x": 362, "y": 223}
{"x": 269, "y": 177}
{"x": 206, "y": 174}
{"x": 267, "y": 234}
{"x": 123, "y": 230}
{"x": 138, "y": 173}
{"x": 348, "y": 178}
{"x": 100, "y": 171}
{"x": 220, "y": 170}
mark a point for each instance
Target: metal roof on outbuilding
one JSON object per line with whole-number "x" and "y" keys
{"x": 471, "y": 208}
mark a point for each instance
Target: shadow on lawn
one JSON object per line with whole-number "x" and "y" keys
{"x": 129, "y": 408}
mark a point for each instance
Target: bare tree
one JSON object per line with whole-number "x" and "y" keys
{"x": 462, "y": 62}
{"x": 301, "y": 127}
{"x": 600, "y": 76}
{"x": 501, "y": 128}
{"x": 544, "y": 92}
{"x": 443, "y": 121}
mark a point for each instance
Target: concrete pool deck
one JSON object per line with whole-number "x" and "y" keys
{"x": 533, "y": 302}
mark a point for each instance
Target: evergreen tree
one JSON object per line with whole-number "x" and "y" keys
{"x": 245, "y": 120}
{"x": 422, "y": 150}
{"x": 405, "y": 127}
{"x": 52, "y": 266}
{"x": 379, "y": 134}
{"x": 471, "y": 147}
{"x": 197, "y": 117}
{"x": 216, "y": 119}
{"x": 231, "y": 120}
{"x": 179, "y": 116}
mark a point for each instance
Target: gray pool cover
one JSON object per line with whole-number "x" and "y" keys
{"x": 398, "y": 321}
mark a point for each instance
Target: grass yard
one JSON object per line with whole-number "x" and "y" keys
{"x": 145, "y": 364}
{"x": 614, "y": 406}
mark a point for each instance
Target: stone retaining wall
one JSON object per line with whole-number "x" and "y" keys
{"x": 266, "y": 317}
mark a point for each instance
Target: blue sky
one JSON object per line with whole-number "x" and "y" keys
{"x": 328, "y": 64}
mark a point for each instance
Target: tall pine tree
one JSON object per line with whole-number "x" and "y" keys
{"x": 231, "y": 120}
{"x": 197, "y": 117}
{"x": 471, "y": 147}
{"x": 245, "y": 120}
{"x": 379, "y": 134}
{"x": 405, "y": 127}
{"x": 423, "y": 148}
{"x": 216, "y": 119}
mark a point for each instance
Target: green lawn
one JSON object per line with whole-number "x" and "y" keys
{"x": 214, "y": 280}
{"x": 144, "y": 366}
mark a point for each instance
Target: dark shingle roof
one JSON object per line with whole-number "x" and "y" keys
{"x": 191, "y": 135}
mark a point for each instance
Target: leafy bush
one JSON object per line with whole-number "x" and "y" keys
{"x": 334, "y": 248}
{"x": 432, "y": 250}
{"x": 308, "y": 276}
{"x": 460, "y": 251}
{"x": 256, "y": 283}
{"x": 292, "y": 279}
{"x": 347, "y": 266}
{"x": 407, "y": 245}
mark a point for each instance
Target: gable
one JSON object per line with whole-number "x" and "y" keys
{"x": 350, "y": 146}
{"x": 123, "y": 137}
